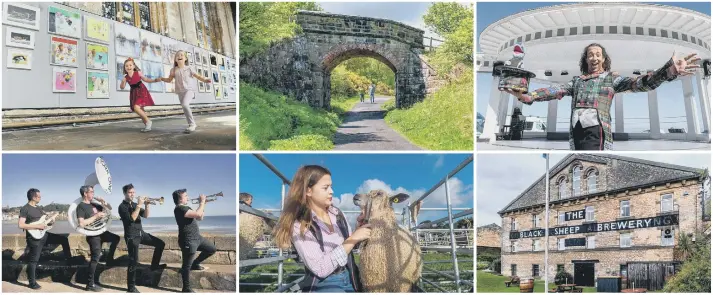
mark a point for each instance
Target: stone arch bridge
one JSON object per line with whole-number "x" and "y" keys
{"x": 301, "y": 66}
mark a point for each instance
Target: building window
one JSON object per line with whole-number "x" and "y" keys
{"x": 625, "y": 240}
{"x": 589, "y": 213}
{"x": 592, "y": 181}
{"x": 573, "y": 31}
{"x": 624, "y": 208}
{"x": 560, "y": 267}
{"x": 586, "y": 30}
{"x": 674, "y": 35}
{"x": 513, "y": 224}
{"x": 591, "y": 244}
{"x": 487, "y": 63}
{"x": 512, "y": 42}
{"x": 562, "y": 187}
{"x": 667, "y": 237}
{"x": 627, "y": 30}
{"x": 477, "y": 62}
{"x": 700, "y": 43}
{"x": 535, "y": 221}
{"x": 560, "y": 32}
{"x": 513, "y": 269}
{"x": 667, "y": 203}
{"x": 535, "y": 245}
{"x": 684, "y": 37}
{"x": 536, "y": 270}
{"x": 623, "y": 270}
{"x": 560, "y": 218}
{"x": 577, "y": 181}
{"x": 538, "y": 35}
{"x": 519, "y": 39}
{"x": 664, "y": 33}
{"x": 612, "y": 29}
{"x": 512, "y": 246}
{"x": 560, "y": 244}
{"x": 528, "y": 37}
{"x": 640, "y": 31}
{"x": 600, "y": 29}
{"x": 548, "y": 34}
{"x": 693, "y": 40}
{"x": 652, "y": 32}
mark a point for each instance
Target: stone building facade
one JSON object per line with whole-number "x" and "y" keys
{"x": 609, "y": 216}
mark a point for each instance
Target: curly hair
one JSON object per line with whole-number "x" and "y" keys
{"x": 584, "y": 66}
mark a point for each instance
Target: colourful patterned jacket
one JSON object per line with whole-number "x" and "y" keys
{"x": 597, "y": 91}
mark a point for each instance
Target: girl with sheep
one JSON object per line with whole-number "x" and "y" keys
{"x": 320, "y": 233}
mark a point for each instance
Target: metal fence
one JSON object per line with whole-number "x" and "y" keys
{"x": 451, "y": 240}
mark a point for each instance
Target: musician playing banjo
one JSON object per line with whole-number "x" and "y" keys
{"x": 134, "y": 235}
{"x": 86, "y": 214}
{"x": 189, "y": 238}
{"x": 29, "y": 214}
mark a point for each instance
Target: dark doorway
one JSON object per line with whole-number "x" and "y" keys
{"x": 584, "y": 274}
{"x": 650, "y": 275}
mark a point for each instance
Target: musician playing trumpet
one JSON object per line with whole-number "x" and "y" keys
{"x": 29, "y": 214}
{"x": 134, "y": 235}
{"x": 189, "y": 237}
{"x": 86, "y": 214}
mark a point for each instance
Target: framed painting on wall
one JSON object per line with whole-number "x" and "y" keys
{"x": 151, "y": 47}
{"x": 97, "y": 84}
{"x": 168, "y": 51}
{"x": 217, "y": 92}
{"x": 21, "y": 15}
{"x": 127, "y": 41}
{"x": 170, "y": 87}
{"x": 64, "y": 22}
{"x": 213, "y": 61}
{"x": 20, "y": 38}
{"x": 201, "y": 85}
{"x": 208, "y": 86}
{"x": 96, "y": 30}
{"x": 19, "y": 59}
{"x": 120, "y": 71}
{"x": 216, "y": 77}
{"x": 153, "y": 70}
{"x": 197, "y": 55}
{"x": 205, "y": 58}
{"x": 225, "y": 92}
{"x": 64, "y": 79}
{"x": 97, "y": 56}
{"x": 64, "y": 51}
{"x": 221, "y": 63}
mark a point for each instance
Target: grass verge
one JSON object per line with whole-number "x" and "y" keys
{"x": 272, "y": 121}
{"x": 443, "y": 121}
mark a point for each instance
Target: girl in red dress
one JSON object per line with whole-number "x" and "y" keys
{"x": 139, "y": 95}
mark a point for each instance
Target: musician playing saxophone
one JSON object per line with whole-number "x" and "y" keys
{"x": 189, "y": 237}
{"x": 86, "y": 214}
{"x": 29, "y": 214}
{"x": 134, "y": 235}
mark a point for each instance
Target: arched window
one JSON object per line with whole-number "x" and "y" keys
{"x": 562, "y": 188}
{"x": 592, "y": 181}
{"x": 577, "y": 181}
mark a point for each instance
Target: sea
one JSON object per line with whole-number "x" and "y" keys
{"x": 224, "y": 225}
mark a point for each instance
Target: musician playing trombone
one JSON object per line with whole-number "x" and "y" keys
{"x": 189, "y": 237}
{"x": 29, "y": 214}
{"x": 86, "y": 214}
{"x": 134, "y": 235}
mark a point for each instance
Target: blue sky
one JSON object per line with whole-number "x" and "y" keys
{"x": 353, "y": 173}
{"x": 636, "y": 118}
{"x": 59, "y": 176}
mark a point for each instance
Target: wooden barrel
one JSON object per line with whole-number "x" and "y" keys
{"x": 527, "y": 285}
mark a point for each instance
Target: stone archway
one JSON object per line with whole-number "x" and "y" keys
{"x": 301, "y": 66}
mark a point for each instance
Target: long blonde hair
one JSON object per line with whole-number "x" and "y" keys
{"x": 297, "y": 204}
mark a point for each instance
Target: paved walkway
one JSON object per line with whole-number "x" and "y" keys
{"x": 364, "y": 128}
{"x": 629, "y": 145}
{"x": 216, "y": 131}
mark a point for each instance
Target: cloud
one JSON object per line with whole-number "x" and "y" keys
{"x": 461, "y": 197}
{"x": 503, "y": 177}
{"x": 439, "y": 162}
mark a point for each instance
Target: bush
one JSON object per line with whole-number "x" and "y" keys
{"x": 482, "y": 265}
{"x": 563, "y": 277}
{"x": 695, "y": 274}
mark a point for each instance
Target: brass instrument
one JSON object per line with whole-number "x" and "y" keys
{"x": 151, "y": 201}
{"x": 211, "y": 198}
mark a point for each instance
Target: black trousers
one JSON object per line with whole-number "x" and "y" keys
{"x": 590, "y": 138}
{"x": 95, "y": 246}
{"x": 188, "y": 251}
{"x": 132, "y": 244}
{"x": 33, "y": 250}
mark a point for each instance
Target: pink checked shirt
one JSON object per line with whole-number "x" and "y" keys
{"x": 322, "y": 264}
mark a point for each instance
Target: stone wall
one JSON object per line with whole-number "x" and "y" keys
{"x": 301, "y": 66}
{"x": 646, "y": 242}
{"x": 13, "y": 247}
{"x": 489, "y": 236}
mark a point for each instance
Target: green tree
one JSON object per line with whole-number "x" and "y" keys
{"x": 445, "y": 18}
{"x": 454, "y": 22}
{"x": 695, "y": 274}
{"x": 263, "y": 23}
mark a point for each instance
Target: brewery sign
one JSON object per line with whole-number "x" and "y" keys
{"x": 664, "y": 220}
{"x": 574, "y": 215}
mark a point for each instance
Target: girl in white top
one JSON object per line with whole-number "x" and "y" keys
{"x": 185, "y": 85}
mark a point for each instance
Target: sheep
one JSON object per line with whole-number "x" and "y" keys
{"x": 250, "y": 229}
{"x": 391, "y": 257}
